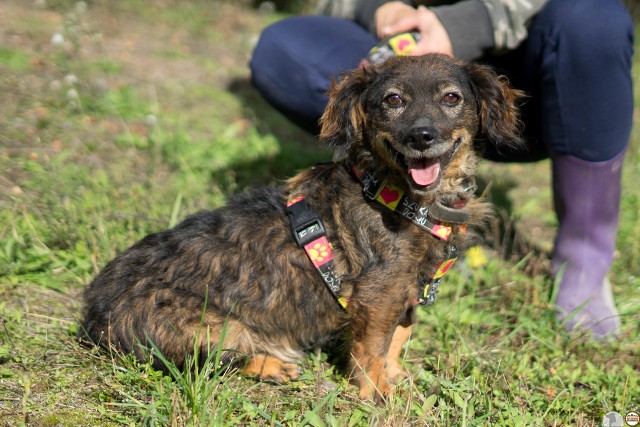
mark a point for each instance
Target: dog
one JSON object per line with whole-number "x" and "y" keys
{"x": 347, "y": 248}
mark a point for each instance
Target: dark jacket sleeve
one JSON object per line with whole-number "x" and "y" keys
{"x": 469, "y": 27}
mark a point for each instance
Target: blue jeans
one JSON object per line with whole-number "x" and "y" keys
{"x": 575, "y": 67}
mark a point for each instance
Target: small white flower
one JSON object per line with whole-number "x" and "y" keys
{"x": 72, "y": 94}
{"x": 57, "y": 39}
{"x": 80, "y": 7}
{"x": 70, "y": 79}
{"x": 151, "y": 120}
{"x": 267, "y": 7}
{"x": 55, "y": 85}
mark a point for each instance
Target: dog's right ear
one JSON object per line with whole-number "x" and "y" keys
{"x": 344, "y": 117}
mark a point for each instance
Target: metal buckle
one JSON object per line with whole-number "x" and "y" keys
{"x": 371, "y": 186}
{"x": 306, "y": 226}
{"x": 308, "y": 232}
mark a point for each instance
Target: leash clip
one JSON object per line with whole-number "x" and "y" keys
{"x": 431, "y": 284}
{"x": 430, "y": 293}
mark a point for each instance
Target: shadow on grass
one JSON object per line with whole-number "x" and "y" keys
{"x": 298, "y": 148}
{"x": 506, "y": 234}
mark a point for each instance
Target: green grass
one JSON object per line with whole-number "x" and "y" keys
{"x": 146, "y": 116}
{"x": 14, "y": 60}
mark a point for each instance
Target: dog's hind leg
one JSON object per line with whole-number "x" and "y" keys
{"x": 267, "y": 367}
{"x": 271, "y": 360}
{"x": 241, "y": 348}
{"x": 214, "y": 333}
{"x": 179, "y": 324}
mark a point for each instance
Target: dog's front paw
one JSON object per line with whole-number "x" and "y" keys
{"x": 379, "y": 392}
{"x": 268, "y": 368}
{"x": 395, "y": 372}
{"x": 372, "y": 382}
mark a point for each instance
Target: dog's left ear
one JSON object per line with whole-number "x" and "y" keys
{"x": 344, "y": 117}
{"x": 498, "y": 103}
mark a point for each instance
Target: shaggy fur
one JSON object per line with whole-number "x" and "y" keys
{"x": 239, "y": 265}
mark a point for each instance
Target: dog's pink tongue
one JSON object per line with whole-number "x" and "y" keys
{"x": 424, "y": 171}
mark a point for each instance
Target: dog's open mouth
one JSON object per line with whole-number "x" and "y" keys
{"x": 424, "y": 172}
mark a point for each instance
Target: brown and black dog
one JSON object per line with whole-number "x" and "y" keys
{"x": 410, "y": 130}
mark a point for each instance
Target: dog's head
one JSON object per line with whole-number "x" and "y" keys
{"x": 419, "y": 119}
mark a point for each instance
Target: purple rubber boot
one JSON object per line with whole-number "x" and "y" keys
{"x": 587, "y": 203}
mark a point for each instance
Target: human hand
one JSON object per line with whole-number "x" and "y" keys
{"x": 396, "y": 17}
{"x": 389, "y": 14}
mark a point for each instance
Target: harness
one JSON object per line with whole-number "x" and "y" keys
{"x": 309, "y": 232}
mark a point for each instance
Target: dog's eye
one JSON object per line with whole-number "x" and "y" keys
{"x": 394, "y": 100}
{"x": 450, "y": 99}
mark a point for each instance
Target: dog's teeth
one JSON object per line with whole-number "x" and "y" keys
{"x": 424, "y": 171}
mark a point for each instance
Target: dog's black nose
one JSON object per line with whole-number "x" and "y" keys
{"x": 421, "y": 137}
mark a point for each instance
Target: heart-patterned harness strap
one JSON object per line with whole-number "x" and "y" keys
{"x": 395, "y": 199}
{"x": 309, "y": 233}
